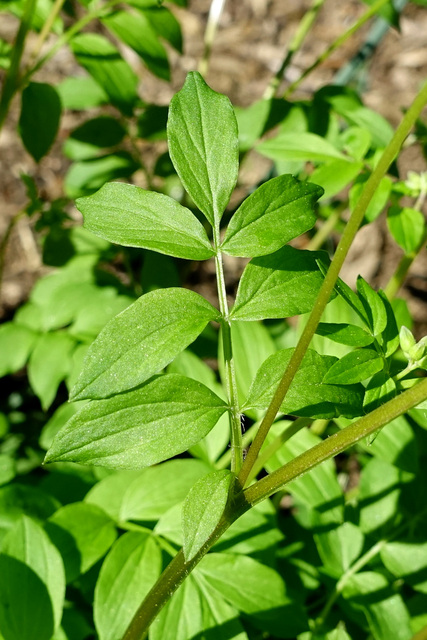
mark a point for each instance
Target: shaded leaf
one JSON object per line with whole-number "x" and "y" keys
{"x": 39, "y": 119}
{"x": 49, "y": 364}
{"x": 349, "y": 334}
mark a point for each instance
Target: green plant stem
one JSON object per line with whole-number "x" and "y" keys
{"x": 215, "y": 12}
{"x": 303, "y": 29}
{"x": 230, "y": 374}
{"x": 12, "y": 75}
{"x": 224, "y": 461}
{"x": 336, "y": 44}
{"x": 389, "y": 154}
{"x": 178, "y": 569}
{"x": 267, "y": 452}
{"x": 337, "y": 443}
{"x": 44, "y": 33}
{"x": 326, "y": 229}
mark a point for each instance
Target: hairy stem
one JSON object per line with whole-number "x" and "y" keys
{"x": 389, "y": 154}
{"x": 303, "y": 29}
{"x": 11, "y": 80}
{"x": 178, "y": 569}
{"x": 230, "y": 374}
{"x": 336, "y": 44}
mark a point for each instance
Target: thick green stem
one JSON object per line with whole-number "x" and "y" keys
{"x": 303, "y": 29}
{"x": 389, "y": 154}
{"x": 336, "y": 44}
{"x": 179, "y": 569}
{"x": 230, "y": 374}
{"x": 11, "y": 80}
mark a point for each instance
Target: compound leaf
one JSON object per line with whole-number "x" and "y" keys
{"x": 142, "y": 340}
{"x": 128, "y": 215}
{"x": 203, "y": 145}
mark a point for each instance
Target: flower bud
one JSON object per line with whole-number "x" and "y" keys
{"x": 407, "y": 342}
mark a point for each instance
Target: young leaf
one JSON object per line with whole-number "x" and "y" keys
{"x": 203, "y": 508}
{"x": 351, "y": 298}
{"x": 32, "y": 593}
{"x": 81, "y": 93}
{"x": 348, "y": 334}
{"x": 278, "y": 211}
{"x": 87, "y": 176}
{"x": 407, "y": 226}
{"x": 281, "y": 285}
{"x": 374, "y": 306}
{"x": 299, "y": 146}
{"x": 142, "y": 340}
{"x": 339, "y": 547}
{"x": 308, "y": 395}
{"x": 407, "y": 561}
{"x": 203, "y": 145}
{"x": 135, "y": 30}
{"x": 127, "y": 574}
{"x": 128, "y": 215}
{"x": 334, "y": 176}
{"x": 105, "y": 64}
{"x": 354, "y": 367}
{"x": 39, "y": 119}
{"x": 16, "y": 344}
{"x": 83, "y": 533}
{"x": 160, "y": 419}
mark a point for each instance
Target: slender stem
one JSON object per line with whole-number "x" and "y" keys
{"x": 179, "y": 569}
{"x": 215, "y": 12}
{"x": 44, "y": 33}
{"x": 11, "y": 79}
{"x": 269, "y": 451}
{"x": 326, "y": 229}
{"x": 390, "y": 152}
{"x": 303, "y": 28}
{"x": 224, "y": 461}
{"x": 337, "y": 443}
{"x": 336, "y": 44}
{"x": 230, "y": 374}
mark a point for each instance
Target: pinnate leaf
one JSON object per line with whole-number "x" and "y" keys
{"x": 308, "y": 395}
{"x": 354, "y": 367}
{"x": 203, "y": 509}
{"x": 128, "y": 215}
{"x": 283, "y": 284}
{"x": 160, "y": 419}
{"x": 278, "y": 211}
{"x": 142, "y": 340}
{"x": 203, "y": 145}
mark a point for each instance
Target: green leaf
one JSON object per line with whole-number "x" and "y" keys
{"x": 407, "y": 561}
{"x": 203, "y": 509}
{"x": 160, "y": 419}
{"x": 407, "y": 226}
{"x": 203, "y": 145}
{"x": 83, "y": 534}
{"x": 299, "y": 146}
{"x": 197, "y": 611}
{"x": 92, "y": 318}
{"x": 32, "y": 593}
{"x": 108, "y": 493}
{"x": 81, "y": 93}
{"x": 89, "y": 138}
{"x": 334, "y": 176}
{"x": 7, "y": 468}
{"x": 135, "y": 30}
{"x": 318, "y": 491}
{"x": 351, "y": 298}
{"x": 142, "y": 340}
{"x": 168, "y": 484}
{"x": 354, "y": 367}
{"x": 104, "y": 63}
{"x": 256, "y": 590}
{"x": 165, "y": 25}
{"x": 379, "y": 389}
{"x": 152, "y": 122}
{"x": 378, "y": 201}
{"x": 390, "y": 336}
{"x": 17, "y": 500}
{"x": 16, "y": 344}
{"x": 128, "y": 215}
{"x": 127, "y": 574}
{"x": 348, "y": 334}
{"x": 281, "y": 285}
{"x": 356, "y": 141}
{"x": 308, "y": 395}
{"x": 395, "y": 444}
{"x": 379, "y": 492}
{"x": 339, "y": 547}
{"x": 49, "y": 364}
{"x": 278, "y": 211}
{"x": 374, "y": 306}
{"x": 87, "y": 176}
{"x": 39, "y": 119}
{"x": 385, "y": 612}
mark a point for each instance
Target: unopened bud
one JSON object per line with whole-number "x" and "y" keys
{"x": 407, "y": 342}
